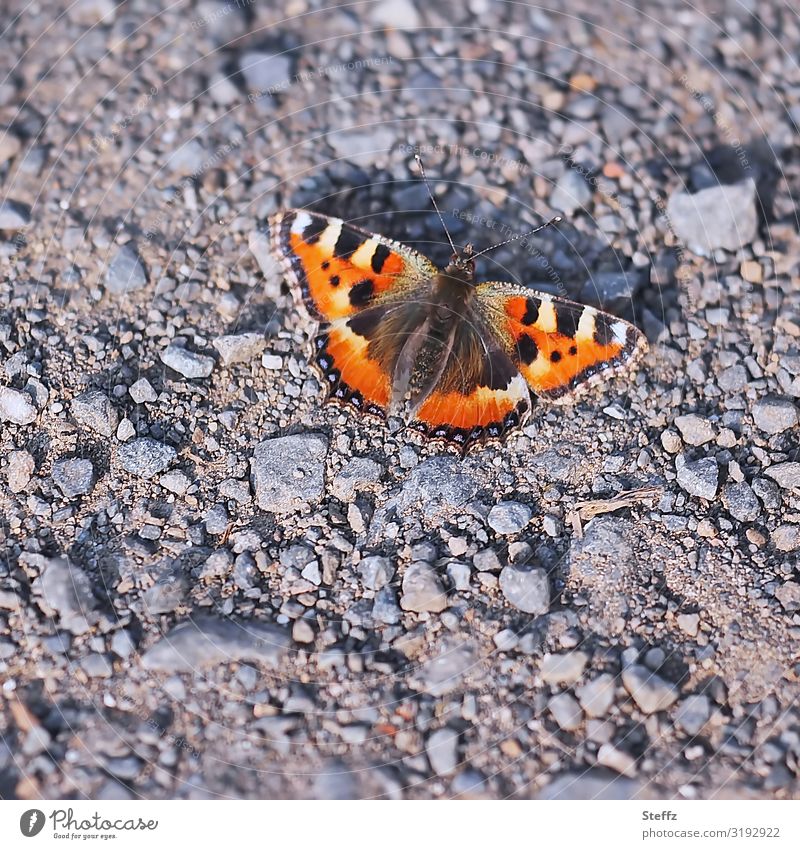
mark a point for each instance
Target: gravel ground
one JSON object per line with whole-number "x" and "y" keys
{"x": 215, "y": 586}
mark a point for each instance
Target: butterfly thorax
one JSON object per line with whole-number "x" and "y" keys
{"x": 428, "y": 346}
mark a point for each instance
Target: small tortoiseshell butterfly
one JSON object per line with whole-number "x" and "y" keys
{"x": 457, "y": 359}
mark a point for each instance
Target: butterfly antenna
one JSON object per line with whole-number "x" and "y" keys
{"x": 433, "y": 201}
{"x": 558, "y": 219}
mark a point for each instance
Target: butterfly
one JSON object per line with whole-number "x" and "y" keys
{"x": 457, "y": 359}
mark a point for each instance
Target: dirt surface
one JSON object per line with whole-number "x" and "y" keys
{"x": 213, "y": 585}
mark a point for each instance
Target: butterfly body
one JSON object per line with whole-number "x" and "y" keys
{"x": 456, "y": 359}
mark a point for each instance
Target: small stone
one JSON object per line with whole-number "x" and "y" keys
{"x": 122, "y": 644}
{"x": 67, "y": 592}
{"x": 422, "y": 590}
{"x": 126, "y": 272}
{"x": 751, "y": 271}
{"x": 395, "y": 14}
{"x": 385, "y": 609}
{"x": 14, "y": 215}
{"x": 142, "y": 391}
{"x": 205, "y": 641}
{"x": 698, "y": 477}
{"x": 689, "y": 623}
{"x": 571, "y": 192}
{"x": 693, "y": 713}
{"x": 10, "y": 145}
{"x": 788, "y": 595}
{"x": 74, "y": 476}
{"x": 694, "y": 429}
{"x": 93, "y": 409}
{"x": 243, "y": 348}
{"x": 288, "y": 471}
{"x": 272, "y": 362}
{"x": 97, "y": 666}
{"x": 526, "y": 589}
{"x": 216, "y": 520}
{"x": 566, "y": 711}
{"x": 597, "y": 696}
{"x": 459, "y": 574}
{"x": 375, "y": 572}
{"x": 357, "y": 474}
{"x": 487, "y": 560}
{"x": 506, "y": 640}
{"x": 186, "y": 159}
{"x": 175, "y": 482}
{"x": 186, "y": 362}
{"x": 722, "y": 216}
{"x": 16, "y": 407}
{"x": 786, "y": 537}
{"x": 438, "y": 488}
{"x": 563, "y": 668}
{"x": 610, "y": 756}
{"x": 265, "y": 72}
{"x": 145, "y": 457}
{"x": 650, "y": 692}
{"x": 786, "y": 475}
{"x": 671, "y": 441}
{"x": 218, "y": 564}
{"x": 775, "y": 415}
{"x": 302, "y": 632}
{"x": 509, "y": 517}
{"x": 125, "y": 430}
{"x": 741, "y": 502}
{"x": 19, "y": 470}
{"x": 442, "y": 750}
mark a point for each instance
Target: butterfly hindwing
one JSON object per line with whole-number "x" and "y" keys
{"x": 336, "y": 269}
{"x": 558, "y": 345}
{"x": 480, "y": 395}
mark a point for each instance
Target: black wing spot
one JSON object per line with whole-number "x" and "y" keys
{"x": 566, "y": 321}
{"x": 335, "y": 280}
{"x": 498, "y": 370}
{"x": 348, "y": 243}
{"x": 603, "y": 331}
{"x": 555, "y": 357}
{"x": 573, "y": 350}
{"x": 527, "y": 349}
{"x": 361, "y": 293}
{"x": 531, "y": 311}
{"x": 325, "y": 265}
{"x": 365, "y": 324}
{"x": 314, "y": 229}
{"x": 380, "y": 256}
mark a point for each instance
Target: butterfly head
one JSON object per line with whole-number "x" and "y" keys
{"x": 462, "y": 264}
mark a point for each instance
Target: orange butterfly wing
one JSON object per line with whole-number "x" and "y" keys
{"x": 558, "y": 345}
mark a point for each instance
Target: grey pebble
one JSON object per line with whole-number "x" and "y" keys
{"x": 357, "y": 474}
{"x": 722, "y": 216}
{"x": 145, "y": 457}
{"x": 571, "y": 192}
{"x": 242, "y": 348}
{"x": 566, "y": 711}
{"x": 67, "y": 592}
{"x": 97, "y": 666}
{"x": 786, "y": 537}
{"x": 597, "y": 696}
{"x": 692, "y": 713}
{"x": 459, "y": 574}
{"x": 126, "y": 271}
{"x": 375, "y": 571}
{"x": 526, "y": 589}
{"x": 16, "y": 406}
{"x": 650, "y": 692}
{"x": 564, "y": 668}
{"x": 509, "y": 517}
{"x": 775, "y": 415}
{"x": 74, "y": 476}
{"x": 264, "y": 71}
{"x": 786, "y": 475}
{"x": 288, "y": 471}
{"x": 204, "y": 641}
{"x": 422, "y": 589}
{"x": 14, "y": 215}
{"x": 385, "y": 608}
{"x": 93, "y": 409}
{"x": 186, "y": 362}
{"x": 19, "y": 471}
{"x": 142, "y": 392}
{"x": 741, "y": 502}
{"x": 698, "y": 477}
{"x": 442, "y": 750}
{"x": 694, "y": 429}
